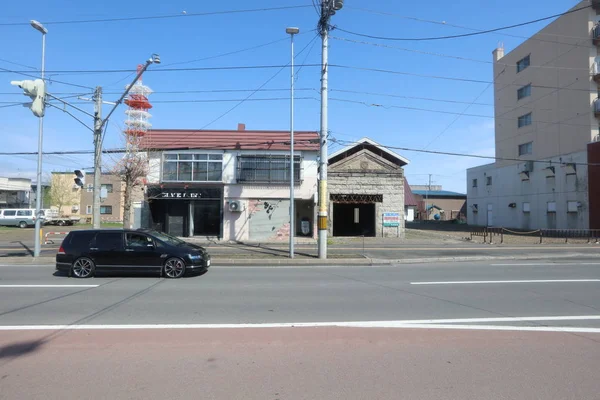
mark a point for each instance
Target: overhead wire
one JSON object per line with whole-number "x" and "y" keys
{"x": 483, "y": 32}
{"x": 24, "y": 73}
{"x": 167, "y": 16}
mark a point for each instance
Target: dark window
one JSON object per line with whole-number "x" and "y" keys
{"x": 526, "y": 148}
{"x": 108, "y": 187}
{"x": 24, "y": 213}
{"x": 137, "y": 240}
{"x": 109, "y": 241}
{"x": 524, "y": 120}
{"x": 488, "y": 181}
{"x": 105, "y": 209}
{"x": 82, "y": 239}
{"x": 523, "y": 63}
{"x": 267, "y": 169}
{"x": 525, "y": 91}
{"x": 474, "y": 183}
{"x": 10, "y": 213}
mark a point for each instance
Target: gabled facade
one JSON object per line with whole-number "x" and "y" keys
{"x": 231, "y": 185}
{"x": 366, "y": 191}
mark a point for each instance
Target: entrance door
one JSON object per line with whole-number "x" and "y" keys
{"x": 207, "y": 218}
{"x": 490, "y": 216}
{"x": 353, "y": 219}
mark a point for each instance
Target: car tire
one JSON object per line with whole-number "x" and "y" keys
{"x": 174, "y": 268}
{"x": 83, "y": 268}
{"x": 23, "y": 225}
{"x": 61, "y": 223}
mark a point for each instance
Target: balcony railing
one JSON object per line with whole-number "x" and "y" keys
{"x": 596, "y": 35}
{"x": 596, "y": 72}
{"x": 597, "y": 108}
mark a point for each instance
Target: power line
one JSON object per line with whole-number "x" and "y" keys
{"x": 463, "y": 34}
{"x": 446, "y": 153}
{"x": 446, "y": 24}
{"x": 16, "y": 63}
{"x": 181, "y": 15}
{"x": 24, "y": 73}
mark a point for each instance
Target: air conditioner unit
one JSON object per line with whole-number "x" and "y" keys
{"x": 235, "y": 206}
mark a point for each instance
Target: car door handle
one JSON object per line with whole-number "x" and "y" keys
{"x": 129, "y": 250}
{"x": 93, "y": 248}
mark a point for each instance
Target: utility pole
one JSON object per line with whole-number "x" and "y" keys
{"x": 427, "y": 199}
{"x": 328, "y": 8}
{"x": 97, "y": 156}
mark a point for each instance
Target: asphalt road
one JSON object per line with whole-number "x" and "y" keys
{"x": 509, "y": 330}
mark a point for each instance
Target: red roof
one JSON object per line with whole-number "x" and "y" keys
{"x": 164, "y": 139}
{"x": 409, "y": 198}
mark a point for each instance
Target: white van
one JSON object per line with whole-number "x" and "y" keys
{"x": 21, "y": 217}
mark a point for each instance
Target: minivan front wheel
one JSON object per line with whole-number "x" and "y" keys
{"x": 174, "y": 268}
{"x": 83, "y": 267}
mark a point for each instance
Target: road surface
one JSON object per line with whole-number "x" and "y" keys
{"x": 485, "y": 330}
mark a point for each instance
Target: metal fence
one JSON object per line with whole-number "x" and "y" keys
{"x": 489, "y": 233}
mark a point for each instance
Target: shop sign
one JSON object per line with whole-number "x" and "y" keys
{"x": 391, "y": 219}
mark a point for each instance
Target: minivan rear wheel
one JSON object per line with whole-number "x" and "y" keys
{"x": 22, "y": 224}
{"x": 174, "y": 268}
{"x": 83, "y": 267}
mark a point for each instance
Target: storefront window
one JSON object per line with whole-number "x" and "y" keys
{"x": 187, "y": 167}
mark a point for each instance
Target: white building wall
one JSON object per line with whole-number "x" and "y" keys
{"x": 508, "y": 187}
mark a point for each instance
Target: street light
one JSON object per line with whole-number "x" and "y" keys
{"x": 292, "y": 31}
{"x": 38, "y": 197}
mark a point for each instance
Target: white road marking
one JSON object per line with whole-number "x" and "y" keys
{"x": 519, "y": 281}
{"x": 427, "y": 324}
{"x": 557, "y": 264}
{"x": 47, "y": 286}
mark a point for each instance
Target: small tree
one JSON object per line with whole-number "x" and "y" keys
{"x": 61, "y": 192}
{"x": 132, "y": 168}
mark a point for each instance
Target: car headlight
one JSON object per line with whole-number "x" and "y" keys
{"x": 195, "y": 256}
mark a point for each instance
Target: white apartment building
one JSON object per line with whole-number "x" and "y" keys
{"x": 546, "y": 121}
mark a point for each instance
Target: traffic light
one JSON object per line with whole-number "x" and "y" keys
{"x": 79, "y": 177}
{"x": 37, "y": 91}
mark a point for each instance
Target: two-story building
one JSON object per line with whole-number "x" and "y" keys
{"x": 229, "y": 184}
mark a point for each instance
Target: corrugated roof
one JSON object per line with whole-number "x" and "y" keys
{"x": 440, "y": 193}
{"x": 165, "y": 139}
{"x": 409, "y": 199}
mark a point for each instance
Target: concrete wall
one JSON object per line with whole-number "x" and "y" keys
{"x": 367, "y": 173}
{"x": 561, "y": 56}
{"x": 508, "y": 187}
{"x": 114, "y": 199}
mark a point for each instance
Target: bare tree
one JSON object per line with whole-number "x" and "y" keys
{"x": 132, "y": 169}
{"x": 62, "y": 193}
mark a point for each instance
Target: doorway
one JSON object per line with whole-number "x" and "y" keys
{"x": 206, "y": 218}
{"x": 354, "y": 219}
{"x": 490, "y": 215}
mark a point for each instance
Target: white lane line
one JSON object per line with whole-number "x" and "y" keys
{"x": 47, "y": 286}
{"x": 519, "y": 281}
{"x": 428, "y": 323}
{"x": 556, "y": 264}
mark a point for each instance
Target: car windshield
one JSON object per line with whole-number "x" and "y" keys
{"x": 165, "y": 237}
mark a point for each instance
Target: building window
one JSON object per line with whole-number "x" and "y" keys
{"x": 526, "y": 148}
{"x": 108, "y": 187}
{"x": 193, "y": 167}
{"x": 524, "y": 120}
{"x": 475, "y": 208}
{"x": 572, "y": 206}
{"x": 526, "y": 207}
{"x": 474, "y": 183}
{"x": 551, "y": 207}
{"x": 523, "y": 92}
{"x": 90, "y": 188}
{"x": 107, "y": 210}
{"x": 88, "y": 210}
{"x": 488, "y": 181}
{"x": 267, "y": 169}
{"x": 523, "y": 63}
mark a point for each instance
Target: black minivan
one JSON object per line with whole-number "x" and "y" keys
{"x": 83, "y": 252}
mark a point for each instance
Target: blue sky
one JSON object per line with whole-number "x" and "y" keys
{"x": 181, "y": 40}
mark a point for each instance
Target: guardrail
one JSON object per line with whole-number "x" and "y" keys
{"x": 488, "y": 233}
{"x": 51, "y": 241}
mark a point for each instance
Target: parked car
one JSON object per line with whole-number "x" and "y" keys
{"x": 21, "y": 217}
{"x": 84, "y": 252}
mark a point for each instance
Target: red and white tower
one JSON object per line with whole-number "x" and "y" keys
{"x": 137, "y": 123}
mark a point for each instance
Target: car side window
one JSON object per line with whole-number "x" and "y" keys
{"x": 10, "y": 213}
{"x": 24, "y": 213}
{"x": 137, "y": 240}
{"x": 109, "y": 241}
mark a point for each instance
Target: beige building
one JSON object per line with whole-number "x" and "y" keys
{"x": 73, "y": 201}
{"x": 546, "y": 114}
